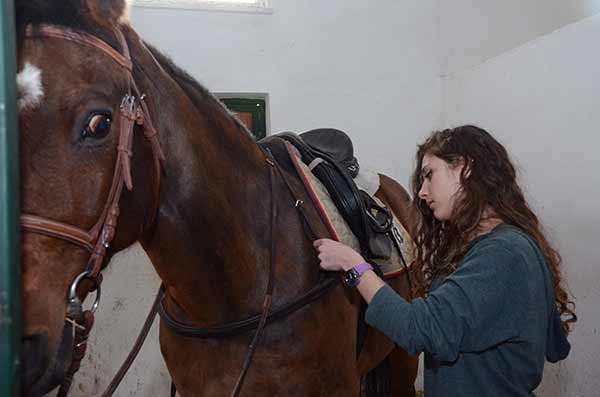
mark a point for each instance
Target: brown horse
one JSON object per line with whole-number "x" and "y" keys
{"x": 206, "y": 202}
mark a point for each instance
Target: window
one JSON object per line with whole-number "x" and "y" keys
{"x": 251, "y": 6}
{"x": 250, "y": 111}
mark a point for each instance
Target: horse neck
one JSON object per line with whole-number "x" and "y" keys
{"x": 210, "y": 234}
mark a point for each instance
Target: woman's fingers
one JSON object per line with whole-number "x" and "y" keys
{"x": 323, "y": 255}
{"x": 334, "y": 255}
{"x": 320, "y": 242}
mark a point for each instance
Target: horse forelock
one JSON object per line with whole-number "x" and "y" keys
{"x": 112, "y": 11}
{"x": 97, "y": 17}
{"x": 29, "y": 86}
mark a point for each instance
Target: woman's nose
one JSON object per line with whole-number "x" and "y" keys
{"x": 423, "y": 192}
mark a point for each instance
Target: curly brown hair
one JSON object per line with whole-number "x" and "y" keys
{"x": 491, "y": 183}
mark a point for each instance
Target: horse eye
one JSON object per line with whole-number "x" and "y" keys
{"x": 98, "y": 126}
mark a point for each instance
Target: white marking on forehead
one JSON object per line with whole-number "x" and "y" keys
{"x": 29, "y": 85}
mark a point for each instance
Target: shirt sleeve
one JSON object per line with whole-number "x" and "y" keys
{"x": 478, "y": 306}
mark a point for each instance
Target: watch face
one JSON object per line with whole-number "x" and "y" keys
{"x": 351, "y": 278}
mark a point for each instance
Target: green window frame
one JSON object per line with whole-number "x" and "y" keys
{"x": 256, "y": 107}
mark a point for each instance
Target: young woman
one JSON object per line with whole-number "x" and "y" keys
{"x": 492, "y": 313}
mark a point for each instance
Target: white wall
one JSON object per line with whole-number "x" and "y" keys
{"x": 371, "y": 71}
{"x": 541, "y": 100}
{"x": 375, "y": 72}
{"x": 471, "y": 31}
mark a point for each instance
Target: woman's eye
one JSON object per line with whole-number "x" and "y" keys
{"x": 427, "y": 175}
{"x": 97, "y": 127}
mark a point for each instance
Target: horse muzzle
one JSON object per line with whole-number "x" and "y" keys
{"x": 42, "y": 371}
{"x": 34, "y": 358}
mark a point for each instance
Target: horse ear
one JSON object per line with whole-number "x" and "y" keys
{"x": 108, "y": 12}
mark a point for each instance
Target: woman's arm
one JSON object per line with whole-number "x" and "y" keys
{"x": 478, "y": 306}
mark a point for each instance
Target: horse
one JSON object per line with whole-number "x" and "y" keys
{"x": 120, "y": 145}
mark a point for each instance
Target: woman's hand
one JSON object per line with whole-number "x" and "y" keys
{"x": 336, "y": 256}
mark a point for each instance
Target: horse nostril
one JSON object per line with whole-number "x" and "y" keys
{"x": 34, "y": 358}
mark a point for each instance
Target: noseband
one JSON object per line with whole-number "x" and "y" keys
{"x": 133, "y": 110}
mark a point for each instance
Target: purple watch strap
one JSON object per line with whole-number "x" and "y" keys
{"x": 362, "y": 267}
{"x": 352, "y": 277}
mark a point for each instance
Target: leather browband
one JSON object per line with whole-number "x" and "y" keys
{"x": 83, "y": 38}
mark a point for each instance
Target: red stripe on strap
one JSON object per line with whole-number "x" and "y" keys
{"x": 311, "y": 191}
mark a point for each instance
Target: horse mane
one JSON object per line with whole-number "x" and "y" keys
{"x": 96, "y": 17}
{"x": 212, "y": 107}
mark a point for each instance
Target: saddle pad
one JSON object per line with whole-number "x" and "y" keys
{"x": 368, "y": 181}
{"x": 391, "y": 267}
{"x": 394, "y": 266}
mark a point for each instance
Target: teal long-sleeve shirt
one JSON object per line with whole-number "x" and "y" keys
{"x": 488, "y": 328}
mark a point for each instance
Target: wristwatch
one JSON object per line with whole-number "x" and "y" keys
{"x": 352, "y": 277}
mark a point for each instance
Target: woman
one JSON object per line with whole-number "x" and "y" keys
{"x": 491, "y": 316}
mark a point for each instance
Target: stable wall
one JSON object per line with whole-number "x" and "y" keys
{"x": 472, "y": 31}
{"x": 541, "y": 101}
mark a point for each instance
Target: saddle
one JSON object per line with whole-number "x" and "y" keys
{"x": 330, "y": 156}
{"x": 334, "y": 143}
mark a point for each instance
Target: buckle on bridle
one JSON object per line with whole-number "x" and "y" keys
{"x": 128, "y": 104}
{"x": 74, "y": 304}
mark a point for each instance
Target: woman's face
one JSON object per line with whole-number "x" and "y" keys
{"x": 440, "y": 185}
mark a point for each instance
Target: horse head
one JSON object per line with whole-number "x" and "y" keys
{"x": 84, "y": 160}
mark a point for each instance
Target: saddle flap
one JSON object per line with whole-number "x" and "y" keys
{"x": 339, "y": 184}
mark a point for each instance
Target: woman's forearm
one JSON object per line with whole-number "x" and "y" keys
{"x": 369, "y": 284}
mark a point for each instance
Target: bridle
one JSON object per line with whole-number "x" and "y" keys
{"x": 97, "y": 240}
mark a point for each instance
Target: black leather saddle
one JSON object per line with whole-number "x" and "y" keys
{"x": 329, "y": 154}
{"x": 334, "y": 143}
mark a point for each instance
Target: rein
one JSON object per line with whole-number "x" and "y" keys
{"x": 97, "y": 240}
